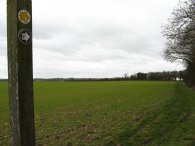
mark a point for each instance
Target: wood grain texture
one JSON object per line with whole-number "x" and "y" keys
{"x": 20, "y": 73}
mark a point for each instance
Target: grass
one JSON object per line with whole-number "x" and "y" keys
{"x": 109, "y": 113}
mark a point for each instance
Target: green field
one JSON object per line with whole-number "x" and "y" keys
{"x": 109, "y": 113}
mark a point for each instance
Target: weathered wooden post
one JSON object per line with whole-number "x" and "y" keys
{"x": 20, "y": 73}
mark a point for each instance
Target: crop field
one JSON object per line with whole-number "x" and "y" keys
{"x": 118, "y": 113}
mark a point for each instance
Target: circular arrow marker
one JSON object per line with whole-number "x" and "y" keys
{"x": 24, "y": 16}
{"x": 24, "y": 35}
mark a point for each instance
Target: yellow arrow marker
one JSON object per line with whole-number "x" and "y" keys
{"x": 24, "y": 16}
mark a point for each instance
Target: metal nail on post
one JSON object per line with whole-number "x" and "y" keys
{"x": 20, "y": 72}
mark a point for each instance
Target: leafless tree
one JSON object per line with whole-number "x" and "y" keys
{"x": 125, "y": 75}
{"x": 180, "y": 35}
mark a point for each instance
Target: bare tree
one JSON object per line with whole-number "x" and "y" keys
{"x": 180, "y": 35}
{"x": 125, "y": 75}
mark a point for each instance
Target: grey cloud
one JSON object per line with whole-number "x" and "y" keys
{"x": 99, "y": 44}
{"x": 95, "y": 38}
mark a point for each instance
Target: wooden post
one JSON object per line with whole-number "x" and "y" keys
{"x": 20, "y": 73}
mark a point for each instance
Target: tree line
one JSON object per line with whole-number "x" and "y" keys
{"x": 158, "y": 76}
{"x": 151, "y": 76}
{"x": 180, "y": 36}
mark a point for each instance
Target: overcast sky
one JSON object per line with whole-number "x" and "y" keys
{"x": 95, "y": 38}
